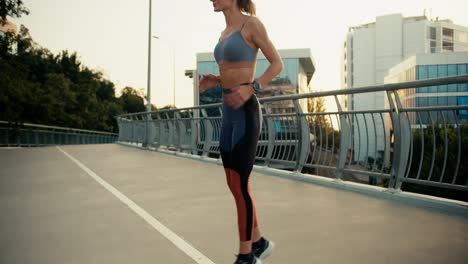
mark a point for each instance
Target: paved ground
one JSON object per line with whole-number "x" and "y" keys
{"x": 53, "y": 212}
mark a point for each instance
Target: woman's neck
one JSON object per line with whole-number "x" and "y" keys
{"x": 233, "y": 18}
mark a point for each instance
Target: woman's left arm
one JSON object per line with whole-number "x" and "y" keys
{"x": 262, "y": 41}
{"x": 259, "y": 37}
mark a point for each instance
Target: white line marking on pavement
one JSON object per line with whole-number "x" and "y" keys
{"x": 166, "y": 232}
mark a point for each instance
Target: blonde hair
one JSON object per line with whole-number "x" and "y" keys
{"x": 247, "y": 6}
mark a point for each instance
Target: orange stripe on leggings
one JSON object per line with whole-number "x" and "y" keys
{"x": 246, "y": 214}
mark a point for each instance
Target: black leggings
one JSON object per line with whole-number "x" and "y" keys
{"x": 239, "y": 137}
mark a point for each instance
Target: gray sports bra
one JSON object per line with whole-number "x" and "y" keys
{"x": 234, "y": 52}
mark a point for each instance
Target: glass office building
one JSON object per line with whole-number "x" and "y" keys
{"x": 428, "y": 66}
{"x": 295, "y": 77}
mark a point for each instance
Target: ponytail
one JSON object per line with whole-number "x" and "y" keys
{"x": 247, "y": 6}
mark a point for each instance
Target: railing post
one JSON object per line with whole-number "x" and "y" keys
{"x": 132, "y": 125}
{"x": 53, "y": 138}
{"x": 149, "y": 130}
{"x": 119, "y": 124}
{"x": 345, "y": 140}
{"x": 271, "y": 135}
{"x": 136, "y": 123}
{"x": 402, "y": 136}
{"x": 36, "y": 138}
{"x": 194, "y": 130}
{"x": 171, "y": 130}
{"x": 7, "y": 135}
{"x": 182, "y": 131}
{"x": 304, "y": 137}
{"x": 208, "y": 133}
{"x": 161, "y": 131}
{"x": 220, "y": 127}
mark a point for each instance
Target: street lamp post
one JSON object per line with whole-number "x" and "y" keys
{"x": 148, "y": 93}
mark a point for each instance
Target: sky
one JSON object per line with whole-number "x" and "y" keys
{"x": 112, "y": 35}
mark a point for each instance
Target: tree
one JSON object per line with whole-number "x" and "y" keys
{"x": 423, "y": 149}
{"x": 12, "y": 8}
{"x": 40, "y": 87}
{"x": 132, "y": 101}
{"x": 325, "y": 137}
{"x": 318, "y": 120}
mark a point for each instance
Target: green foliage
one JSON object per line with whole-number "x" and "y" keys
{"x": 425, "y": 152}
{"x": 12, "y": 8}
{"x": 37, "y": 86}
{"x": 131, "y": 101}
{"x": 318, "y": 120}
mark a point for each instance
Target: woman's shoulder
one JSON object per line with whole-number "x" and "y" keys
{"x": 251, "y": 20}
{"x": 253, "y": 23}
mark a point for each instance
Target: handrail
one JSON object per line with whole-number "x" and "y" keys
{"x": 27, "y": 134}
{"x": 358, "y": 90}
{"x": 397, "y": 145}
{"x": 59, "y": 128}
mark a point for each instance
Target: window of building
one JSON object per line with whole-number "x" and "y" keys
{"x": 452, "y": 100}
{"x": 447, "y": 39}
{"x": 432, "y": 33}
{"x": 433, "y": 46}
{"x": 462, "y": 37}
{"x": 421, "y": 102}
{"x": 442, "y": 100}
{"x": 451, "y": 71}
{"x": 442, "y": 72}
{"x": 421, "y": 74}
{"x": 463, "y": 100}
{"x": 463, "y": 87}
{"x": 447, "y": 34}
{"x": 432, "y": 101}
{"x": 462, "y": 69}
{"x": 447, "y": 46}
{"x": 432, "y": 73}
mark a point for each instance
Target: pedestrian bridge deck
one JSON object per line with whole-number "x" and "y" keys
{"x": 111, "y": 204}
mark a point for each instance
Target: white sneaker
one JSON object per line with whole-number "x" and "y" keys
{"x": 265, "y": 251}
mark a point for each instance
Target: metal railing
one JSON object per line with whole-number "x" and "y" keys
{"x": 397, "y": 143}
{"x": 30, "y": 135}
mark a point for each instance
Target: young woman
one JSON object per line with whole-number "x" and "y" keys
{"x": 236, "y": 55}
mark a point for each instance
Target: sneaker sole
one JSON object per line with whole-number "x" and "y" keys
{"x": 268, "y": 251}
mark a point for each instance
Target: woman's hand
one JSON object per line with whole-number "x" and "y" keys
{"x": 238, "y": 96}
{"x": 208, "y": 81}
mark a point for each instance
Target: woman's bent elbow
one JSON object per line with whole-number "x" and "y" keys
{"x": 280, "y": 66}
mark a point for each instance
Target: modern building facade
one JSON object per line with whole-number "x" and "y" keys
{"x": 371, "y": 50}
{"x": 428, "y": 66}
{"x": 299, "y": 67}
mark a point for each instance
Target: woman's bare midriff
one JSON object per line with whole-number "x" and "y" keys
{"x": 234, "y": 77}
